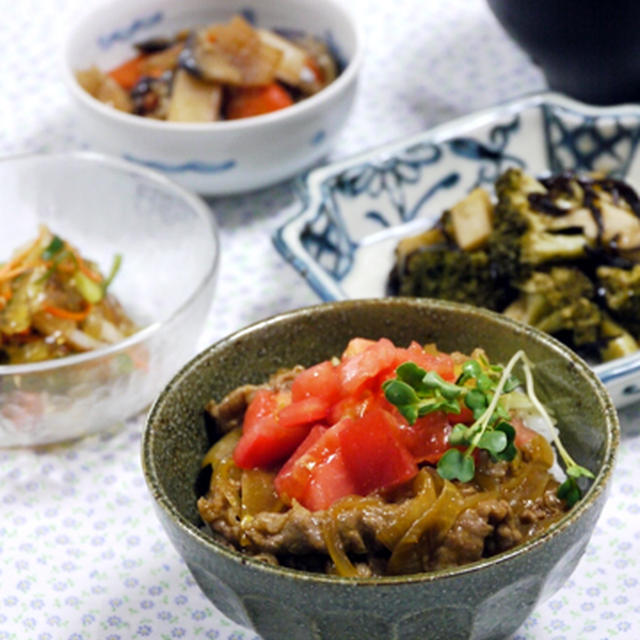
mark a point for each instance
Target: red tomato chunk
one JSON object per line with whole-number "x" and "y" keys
{"x": 373, "y": 456}
{"x": 335, "y": 434}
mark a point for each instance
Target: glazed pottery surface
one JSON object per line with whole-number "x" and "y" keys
{"x": 485, "y": 600}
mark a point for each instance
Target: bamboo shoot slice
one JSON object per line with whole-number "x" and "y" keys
{"x": 472, "y": 220}
{"x": 193, "y": 100}
{"x": 293, "y": 63}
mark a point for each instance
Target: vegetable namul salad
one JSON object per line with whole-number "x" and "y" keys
{"x": 222, "y": 71}
{"x": 387, "y": 460}
{"x": 54, "y": 302}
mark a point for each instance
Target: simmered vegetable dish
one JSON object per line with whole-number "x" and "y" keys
{"x": 54, "y": 302}
{"x": 387, "y": 460}
{"x": 560, "y": 253}
{"x": 216, "y": 72}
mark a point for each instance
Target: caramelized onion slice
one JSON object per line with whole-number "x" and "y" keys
{"x": 395, "y": 529}
{"x": 426, "y": 532}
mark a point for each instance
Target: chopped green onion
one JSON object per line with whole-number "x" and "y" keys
{"x": 115, "y": 267}
{"x": 55, "y": 246}
{"x": 91, "y": 291}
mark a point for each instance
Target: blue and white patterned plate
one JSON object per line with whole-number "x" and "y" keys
{"x": 354, "y": 211}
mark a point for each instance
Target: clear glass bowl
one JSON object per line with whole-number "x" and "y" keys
{"x": 169, "y": 242}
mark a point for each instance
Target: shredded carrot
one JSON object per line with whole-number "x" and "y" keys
{"x": 90, "y": 273}
{"x": 11, "y": 264}
{"x": 14, "y": 266}
{"x": 59, "y": 312}
{"x": 65, "y": 266}
{"x": 12, "y": 273}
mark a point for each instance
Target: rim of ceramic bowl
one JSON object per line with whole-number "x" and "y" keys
{"x": 201, "y": 537}
{"x": 195, "y": 202}
{"x": 314, "y": 102}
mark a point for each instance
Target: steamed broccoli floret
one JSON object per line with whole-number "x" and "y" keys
{"x": 559, "y": 301}
{"x": 563, "y": 302}
{"x": 523, "y": 237}
{"x": 438, "y": 271}
{"x": 557, "y": 253}
{"x": 621, "y": 289}
{"x": 615, "y": 341}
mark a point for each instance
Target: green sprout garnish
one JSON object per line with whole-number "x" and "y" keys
{"x": 569, "y": 489}
{"x": 416, "y": 392}
{"x": 480, "y": 386}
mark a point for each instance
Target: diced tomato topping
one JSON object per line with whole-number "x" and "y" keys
{"x": 524, "y": 435}
{"x": 317, "y": 477}
{"x": 268, "y": 443}
{"x": 303, "y": 412}
{"x": 441, "y": 363}
{"x": 330, "y": 482}
{"x": 271, "y": 431}
{"x": 356, "y": 406}
{"x": 428, "y": 438}
{"x": 293, "y": 479}
{"x": 364, "y": 366}
{"x": 465, "y": 416}
{"x": 357, "y": 345}
{"x": 320, "y": 381}
{"x": 372, "y": 455}
{"x": 263, "y": 404}
{"x": 335, "y": 431}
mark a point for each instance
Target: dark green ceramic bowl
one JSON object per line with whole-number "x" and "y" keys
{"x": 487, "y": 599}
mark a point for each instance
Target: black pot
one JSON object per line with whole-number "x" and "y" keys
{"x": 587, "y": 49}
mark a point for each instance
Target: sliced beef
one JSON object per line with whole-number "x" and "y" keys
{"x": 466, "y": 541}
{"x": 299, "y": 531}
{"x": 229, "y": 412}
{"x": 295, "y": 536}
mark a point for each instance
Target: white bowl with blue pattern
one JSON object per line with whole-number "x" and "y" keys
{"x": 222, "y": 157}
{"x": 343, "y": 237}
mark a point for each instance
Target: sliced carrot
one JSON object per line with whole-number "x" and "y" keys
{"x": 128, "y": 73}
{"x": 316, "y": 69}
{"x": 155, "y": 72}
{"x": 92, "y": 275}
{"x": 254, "y": 101}
{"x": 59, "y": 312}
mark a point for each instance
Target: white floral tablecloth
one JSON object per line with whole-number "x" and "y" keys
{"x": 82, "y": 556}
